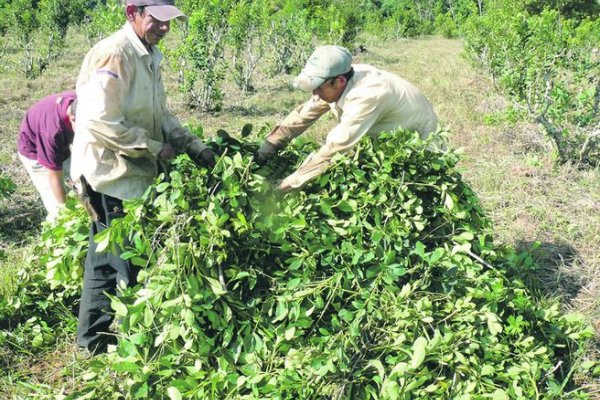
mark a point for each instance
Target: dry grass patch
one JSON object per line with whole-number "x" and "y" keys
{"x": 59, "y": 369}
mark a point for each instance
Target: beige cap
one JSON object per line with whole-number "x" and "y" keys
{"x": 325, "y": 62}
{"x": 162, "y": 10}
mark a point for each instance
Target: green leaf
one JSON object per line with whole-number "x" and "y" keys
{"x": 119, "y": 307}
{"x": 173, "y": 393}
{"x": 493, "y": 323}
{"x": 419, "y": 352}
{"x": 449, "y": 202}
{"x": 290, "y": 333}
{"x": 138, "y": 261}
{"x": 500, "y": 394}
{"x": 293, "y": 283}
{"x": 281, "y": 311}
{"x": 125, "y": 366}
{"x": 215, "y": 286}
{"x": 346, "y": 315}
{"x": 102, "y": 240}
{"x": 346, "y": 206}
{"x": 391, "y": 390}
{"x": 378, "y": 365}
{"x": 487, "y": 370}
{"x": 420, "y": 249}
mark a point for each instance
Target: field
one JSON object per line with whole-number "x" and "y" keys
{"x": 553, "y": 211}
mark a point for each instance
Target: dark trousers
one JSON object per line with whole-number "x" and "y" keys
{"x": 103, "y": 272}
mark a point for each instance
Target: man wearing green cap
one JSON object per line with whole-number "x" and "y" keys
{"x": 364, "y": 99}
{"x": 124, "y": 135}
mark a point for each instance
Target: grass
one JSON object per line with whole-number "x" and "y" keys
{"x": 534, "y": 204}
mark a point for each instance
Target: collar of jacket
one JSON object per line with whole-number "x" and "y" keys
{"x": 137, "y": 44}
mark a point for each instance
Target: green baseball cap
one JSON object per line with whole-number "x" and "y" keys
{"x": 325, "y": 62}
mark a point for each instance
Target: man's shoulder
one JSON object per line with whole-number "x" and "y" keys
{"x": 366, "y": 77}
{"x": 367, "y": 71}
{"x": 116, "y": 44}
{"x": 370, "y": 76}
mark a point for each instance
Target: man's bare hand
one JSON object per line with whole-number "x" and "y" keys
{"x": 284, "y": 186}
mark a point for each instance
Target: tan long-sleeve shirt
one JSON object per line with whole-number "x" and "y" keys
{"x": 122, "y": 121}
{"x": 374, "y": 101}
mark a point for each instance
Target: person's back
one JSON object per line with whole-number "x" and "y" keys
{"x": 43, "y": 142}
{"x": 395, "y": 102}
{"x": 364, "y": 99}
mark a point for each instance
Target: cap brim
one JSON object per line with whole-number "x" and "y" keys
{"x": 166, "y": 13}
{"x": 308, "y": 83}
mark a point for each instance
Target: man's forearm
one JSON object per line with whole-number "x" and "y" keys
{"x": 297, "y": 122}
{"x": 56, "y": 184}
{"x": 313, "y": 166}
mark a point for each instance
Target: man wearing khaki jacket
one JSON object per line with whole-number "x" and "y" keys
{"x": 364, "y": 99}
{"x": 124, "y": 132}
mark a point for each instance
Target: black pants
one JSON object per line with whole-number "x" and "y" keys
{"x": 103, "y": 272}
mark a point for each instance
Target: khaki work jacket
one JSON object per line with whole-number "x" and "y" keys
{"x": 374, "y": 101}
{"x": 122, "y": 120}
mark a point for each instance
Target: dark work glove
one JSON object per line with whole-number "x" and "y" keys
{"x": 227, "y": 139}
{"x": 206, "y": 158}
{"x": 266, "y": 151}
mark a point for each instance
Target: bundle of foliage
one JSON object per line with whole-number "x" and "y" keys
{"x": 548, "y": 61}
{"x": 42, "y": 309}
{"x": 377, "y": 282}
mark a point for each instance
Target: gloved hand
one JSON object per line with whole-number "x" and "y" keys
{"x": 206, "y": 158}
{"x": 166, "y": 153}
{"x": 266, "y": 151}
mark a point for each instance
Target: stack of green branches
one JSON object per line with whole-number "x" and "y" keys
{"x": 379, "y": 281}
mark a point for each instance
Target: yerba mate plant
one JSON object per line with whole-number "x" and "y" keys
{"x": 379, "y": 281}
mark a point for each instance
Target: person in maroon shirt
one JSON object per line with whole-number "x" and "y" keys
{"x": 43, "y": 145}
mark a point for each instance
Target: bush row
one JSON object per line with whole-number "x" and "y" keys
{"x": 546, "y": 57}
{"x": 544, "y": 54}
{"x": 228, "y": 38}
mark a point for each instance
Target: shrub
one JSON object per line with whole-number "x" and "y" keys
{"x": 445, "y": 25}
{"x": 103, "y": 20}
{"x": 7, "y": 186}
{"x": 289, "y": 39}
{"x": 248, "y": 22}
{"x": 23, "y": 19}
{"x": 40, "y": 28}
{"x": 339, "y": 22}
{"x": 549, "y": 65}
{"x": 200, "y": 59}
